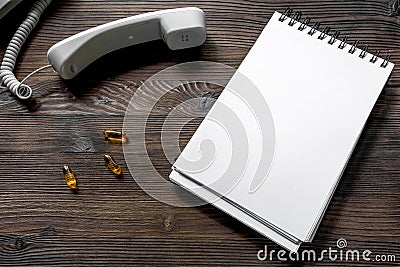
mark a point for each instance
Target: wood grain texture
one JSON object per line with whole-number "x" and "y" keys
{"x": 112, "y": 222}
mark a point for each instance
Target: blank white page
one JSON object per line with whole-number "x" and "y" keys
{"x": 320, "y": 97}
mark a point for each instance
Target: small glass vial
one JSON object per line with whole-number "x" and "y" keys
{"x": 112, "y": 164}
{"x": 115, "y": 136}
{"x": 69, "y": 177}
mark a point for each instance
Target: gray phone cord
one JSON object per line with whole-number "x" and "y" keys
{"x": 7, "y": 76}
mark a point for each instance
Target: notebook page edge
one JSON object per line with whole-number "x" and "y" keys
{"x": 244, "y": 218}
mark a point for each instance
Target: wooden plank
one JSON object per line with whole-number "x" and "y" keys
{"x": 232, "y": 27}
{"x": 107, "y": 210}
{"x": 112, "y": 221}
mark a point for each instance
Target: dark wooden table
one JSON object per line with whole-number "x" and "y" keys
{"x": 112, "y": 221}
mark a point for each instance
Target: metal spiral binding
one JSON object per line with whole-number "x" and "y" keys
{"x": 295, "y": 19}
{"x": 353, "y": 47}
{"x": 385, "y": 61}
{"x": 364, "y": 52}
{"x": 343, "y": 43}
{"x": 288, "y": 11}
{"x": 375, "y": 57}
{"x": 314, "y": 28}
{"x": 287, "y": 14}
{"x": 324, "y": 33}
{"x": 304, "y": 24}
{"x": 334, "y": 37}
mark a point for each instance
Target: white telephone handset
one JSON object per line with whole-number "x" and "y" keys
{"x": 179, "y": 28}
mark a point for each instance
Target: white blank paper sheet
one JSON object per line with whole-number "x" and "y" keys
{"x": 319, "y": 97}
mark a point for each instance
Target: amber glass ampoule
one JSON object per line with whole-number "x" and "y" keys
{"x": 115, "y": 136}
{"x": 112, "y": 164}
{"x": 69, "y": 177}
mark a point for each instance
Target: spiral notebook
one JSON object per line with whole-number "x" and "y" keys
{"x": 319, "y": 91}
